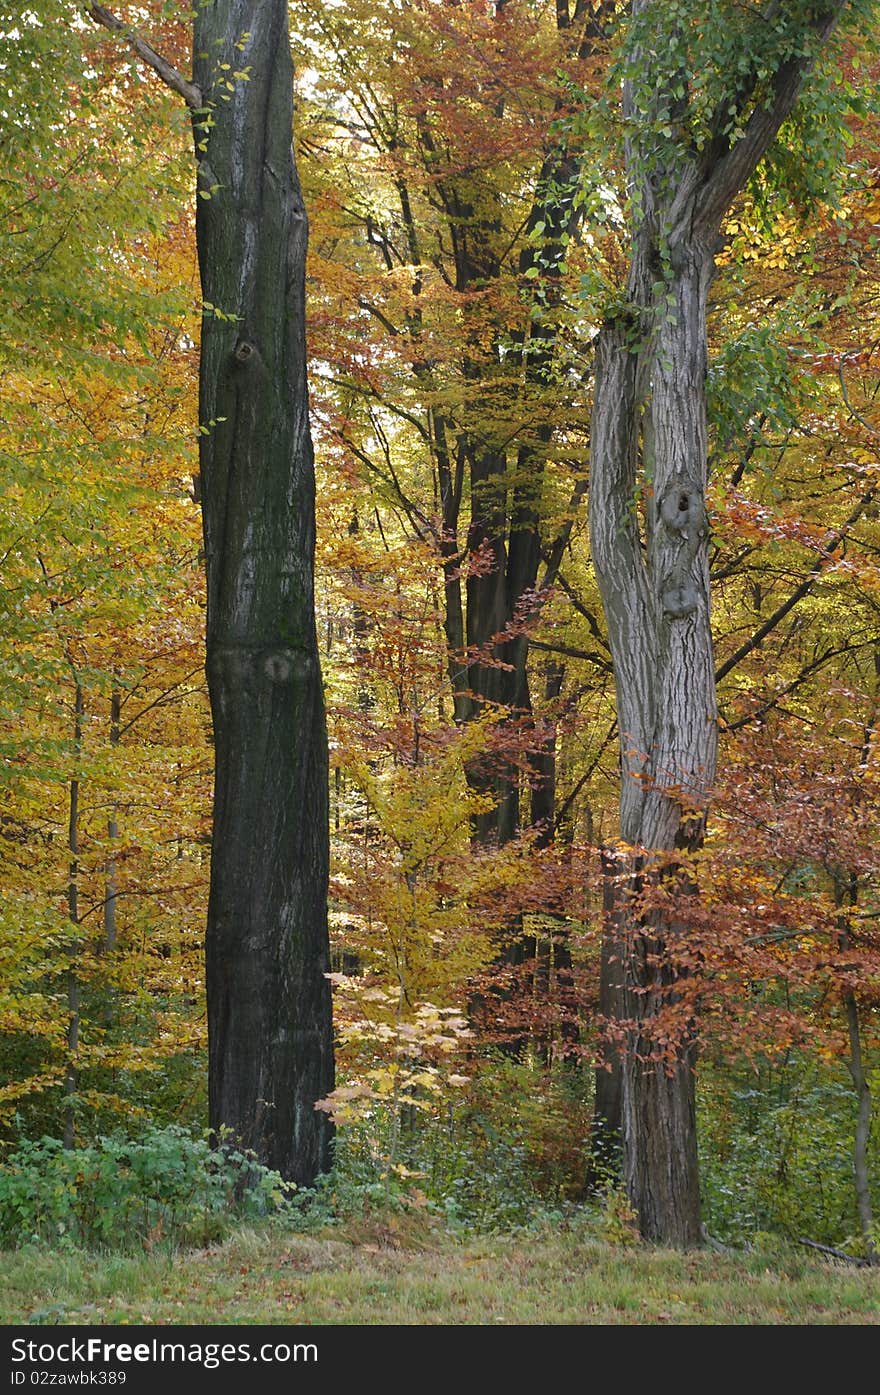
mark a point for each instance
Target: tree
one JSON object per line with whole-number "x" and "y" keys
{"x": 267, "y": 956}
{"x": 466, "y": 114}
{"x": 451, "y": 352}
{"x": 706, "y": 90}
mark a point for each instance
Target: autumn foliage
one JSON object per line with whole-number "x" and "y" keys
{"x": 467, "y": 236}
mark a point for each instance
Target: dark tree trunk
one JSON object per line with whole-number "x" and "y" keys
{"x": 110, "y": 889}
{"x": 648, "y": 476}
{"x": 71, "y": 1071}
{"x": 269, "y": 1013}
{"x": 862, "y": 1086}
{"x": 504, "y": 549}
{"x": 846, "y": 896}
{"x": 607, "y": 1127}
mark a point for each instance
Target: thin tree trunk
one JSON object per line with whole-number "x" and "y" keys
{"x": 269, "y": 1013}
{"x": 607, "y": 1127}
{"x": 863, "y": 1127}
{"x": 71, "y": 1074}
{"x": 112, "y": 835}
{"x": 859, "y": 1077}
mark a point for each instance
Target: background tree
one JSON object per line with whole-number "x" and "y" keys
{"x": 446, "y": 316}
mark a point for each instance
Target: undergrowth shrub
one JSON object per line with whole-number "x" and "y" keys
{"x": 777, "y": 1157}
{"x": 508, "y": 1154}
{"x": 167, "y": 1186}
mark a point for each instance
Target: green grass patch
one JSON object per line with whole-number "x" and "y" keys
{"x": 397, "y": 1269}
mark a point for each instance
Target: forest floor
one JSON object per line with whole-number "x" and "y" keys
{"x": 385, "y": 1271}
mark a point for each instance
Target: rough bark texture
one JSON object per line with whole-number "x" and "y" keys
{"x": 269, "y": 1015}
{"x": 649, "y": 539}
{"x": 657, "y": 609}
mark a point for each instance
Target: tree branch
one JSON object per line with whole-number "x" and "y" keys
{"x": 364, "y": 304}
{"x": 825, "y": 657}
{"x": 561, "y": 813}
{"x": 581, "y": 609}
{"x": 809, "y": 581}
{"x": 858, "y": 1260}
{"x": 843, "y": 388}
{"x": 191, "y": 94}
{"x": 162, "y": 700}
{"x": 571, "y": 652}
{"x": 554, "y": 554}
{"x": 728, "y": 167}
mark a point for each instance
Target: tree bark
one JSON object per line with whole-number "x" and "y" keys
{"x": 269, "y": 1012}
{"x": 656, "y": 606}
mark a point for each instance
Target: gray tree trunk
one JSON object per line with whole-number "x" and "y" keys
{"x": 269, "y": 1012}
{"x": 657, "y": 608}
{"x": 649, "y": 534}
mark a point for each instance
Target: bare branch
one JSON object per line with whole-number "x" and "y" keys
{"x": 162, "y": 700}
{"x": 571, "y": 652}
{"x": 191, "y": 94}
{"x": 556, "y": 551}
{"x": 858, "y": 1260}
{"x": 825, "y": 657}
{"x": 377, "y": 314}
{"x": 815, "y": 573}
{"x": 610, "y": 733}
{"x": 581, "y": 608}
{"x": 843, "y": 388}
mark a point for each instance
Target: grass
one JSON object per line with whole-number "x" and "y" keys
{"x": 397, "y": 1270}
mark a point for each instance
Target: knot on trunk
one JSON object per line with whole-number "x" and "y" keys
{"x": 683, "y": 511}
{"x": 683, "y": 514}
{"x": 679, "y": 598}
{"x": 286, "y": 665}
{"x": 245, "y": 353}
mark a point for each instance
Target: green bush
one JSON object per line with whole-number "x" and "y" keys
{"x": 166, "y": 1186}
{"x": 777, "y": 1155}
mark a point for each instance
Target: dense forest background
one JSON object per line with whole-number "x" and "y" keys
{"x": 462, "y": 169}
